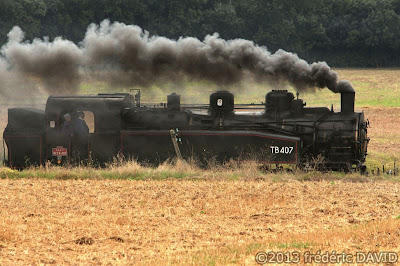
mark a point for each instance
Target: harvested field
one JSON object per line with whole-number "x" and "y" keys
{"x": 384, "y": 129}
{"x": 203, "y": 222}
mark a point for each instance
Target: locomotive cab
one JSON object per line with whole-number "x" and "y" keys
{"x": 106, "y": 110}
{"x": 34, "y": 137}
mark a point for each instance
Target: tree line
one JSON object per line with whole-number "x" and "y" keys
{"x": 345, "y": 33}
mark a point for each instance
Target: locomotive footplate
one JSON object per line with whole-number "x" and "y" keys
{"x": 156, "y": 146}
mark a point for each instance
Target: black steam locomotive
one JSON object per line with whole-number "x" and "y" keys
{"x": 281, "y": 131}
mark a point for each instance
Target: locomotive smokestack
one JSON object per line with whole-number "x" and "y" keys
{"x": 347, "y": 96}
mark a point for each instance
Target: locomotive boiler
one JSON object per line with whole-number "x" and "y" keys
{"x": 281, "y": 130}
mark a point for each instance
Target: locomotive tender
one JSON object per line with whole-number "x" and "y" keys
{"x": 281, "y": 131}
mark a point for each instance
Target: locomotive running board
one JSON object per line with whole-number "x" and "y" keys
{"x": 156, "y": 146}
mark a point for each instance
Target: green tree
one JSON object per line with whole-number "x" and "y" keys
{"x": 342, "y": 32}
{"x": 26, "y": 14}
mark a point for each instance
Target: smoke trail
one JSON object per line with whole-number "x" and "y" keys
{"x": 13, "y": 84}
{"x": 54, "y": 63}
{"x": 126, "y": 55}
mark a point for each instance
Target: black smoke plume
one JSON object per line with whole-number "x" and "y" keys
{"x": 127, "y": 55}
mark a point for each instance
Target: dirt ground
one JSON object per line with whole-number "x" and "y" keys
{"x": 202, "y": 222}
{"x": 384, "y": 130}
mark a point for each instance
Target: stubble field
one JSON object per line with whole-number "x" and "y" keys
{"x": 183, "y": 215}
{"x": 183, "y": 221}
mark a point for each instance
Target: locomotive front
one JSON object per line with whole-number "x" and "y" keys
{"x": 341, "y": 137}
{"x": 334, "y": 140}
